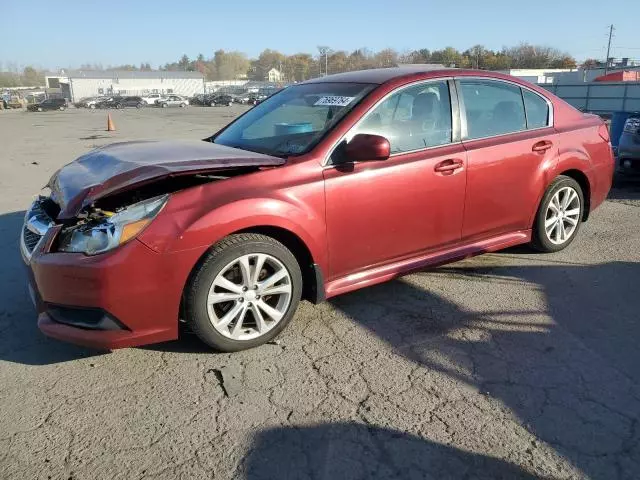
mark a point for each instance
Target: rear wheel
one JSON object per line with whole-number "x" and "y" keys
{"x": 212, "y": 104}
{"x": 92, "y": 107}
{"x": 559, "y": 215}
{"x": 140, "y": 105}
{"x": 39, "y": 109}
{"x": 61, "y": 108}
{"x": 244, "y": 292}
{"x": 164, "y": 105}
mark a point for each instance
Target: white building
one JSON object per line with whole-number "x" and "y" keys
{"x": 274, "y": 75}
{"x": 81, "y": 84}
{"x": 538, "y": 75}
{"x": 215, "y": 85}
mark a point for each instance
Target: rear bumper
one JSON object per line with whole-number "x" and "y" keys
{"x": 138, "y": 290}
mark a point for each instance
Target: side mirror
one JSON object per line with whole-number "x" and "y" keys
{"x": 364, "y": 147}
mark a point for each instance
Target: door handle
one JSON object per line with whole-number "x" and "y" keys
{"x": 541, "y": 146}
{"x": 448, "y": 166}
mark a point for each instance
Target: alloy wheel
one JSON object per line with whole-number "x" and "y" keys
{"x": 249, "y": 296}
{"x": 562, "y": 215}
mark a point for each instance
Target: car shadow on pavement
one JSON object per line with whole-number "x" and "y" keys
{"x": 20, "y": 339}
{"x": 346, "y": 451}
{"x": 625, "y": 188}
{"x": 567, "y": 365}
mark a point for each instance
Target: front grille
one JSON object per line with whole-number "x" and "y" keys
{"x": 30, "y": 239}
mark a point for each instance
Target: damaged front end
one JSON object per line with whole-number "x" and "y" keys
{"x": 108, "y": 222}
{"x": 108, "y": 196}
{"x": 85, "y": 288}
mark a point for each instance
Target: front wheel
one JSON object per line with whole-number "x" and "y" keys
{"x": 243, "y": 293}
{"x": 139, "y": 105}
{"x": 164, "y": 105}
{"x": 559, "y": 215}
{"x": 61, "y": 108}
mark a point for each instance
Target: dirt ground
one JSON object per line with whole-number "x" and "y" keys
{"x": 510, "y": 365}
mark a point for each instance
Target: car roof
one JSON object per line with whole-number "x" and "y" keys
{"x": 383, "y": 75}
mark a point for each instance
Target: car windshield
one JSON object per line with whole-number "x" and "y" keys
{"x": 294, "y": 120}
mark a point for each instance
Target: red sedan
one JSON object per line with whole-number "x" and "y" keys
{"x": 328, "y": 186}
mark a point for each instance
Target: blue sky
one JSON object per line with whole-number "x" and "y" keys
{"x": 70, "y": 32}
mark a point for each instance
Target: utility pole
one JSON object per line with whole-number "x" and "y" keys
{"x": 324, "y": 51}
{"x": 606, "y": 61}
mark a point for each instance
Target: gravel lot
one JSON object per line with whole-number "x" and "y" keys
{"x": 510, "y": 365}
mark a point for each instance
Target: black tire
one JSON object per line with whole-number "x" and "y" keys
{"x": 140, "y": 105}
{"x": 223, "y": 252}
{"x": 539, "y": 239}
{"x": 164, "y": 105}
{"x": 212, "y": 104}
{"x": 39, "y": 109}
{"x": 61, "y": 108}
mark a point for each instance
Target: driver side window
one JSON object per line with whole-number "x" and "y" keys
{"x": 413, "y": 118}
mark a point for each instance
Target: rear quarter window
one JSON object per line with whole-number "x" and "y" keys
{"x": 537, "y": 110}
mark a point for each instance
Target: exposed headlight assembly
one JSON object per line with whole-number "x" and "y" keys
{"x": 110, "y": 232}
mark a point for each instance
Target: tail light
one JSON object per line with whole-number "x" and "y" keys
{"x": 631, "y": 125}
{"x": 603, "y": 131}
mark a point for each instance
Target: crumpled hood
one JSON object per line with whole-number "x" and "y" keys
{"x": 123, "y": 166}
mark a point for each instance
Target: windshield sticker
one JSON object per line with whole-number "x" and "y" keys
{"x": 334, "y": 101}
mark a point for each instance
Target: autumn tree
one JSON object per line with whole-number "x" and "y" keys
{"x": 229, "y": 65}
{"x": 591, "y": 63}
{"x": 31, "y": 77}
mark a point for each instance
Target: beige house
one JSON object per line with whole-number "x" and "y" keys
{"x": 274, "y": 75}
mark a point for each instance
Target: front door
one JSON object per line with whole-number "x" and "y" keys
{"x": 381, "y": 211}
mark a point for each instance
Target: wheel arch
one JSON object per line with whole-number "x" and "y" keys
{"x": 312, "y": 273}
{"x": 312, "y": 277}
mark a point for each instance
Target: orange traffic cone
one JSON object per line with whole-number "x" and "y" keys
{"x": 110, "y": 126}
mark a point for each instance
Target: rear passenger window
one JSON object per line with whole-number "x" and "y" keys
{"x": 493, "y": 108}
{"x": 537, "y": 110}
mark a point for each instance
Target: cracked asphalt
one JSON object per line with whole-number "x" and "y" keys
{"x": 509, "y": 365}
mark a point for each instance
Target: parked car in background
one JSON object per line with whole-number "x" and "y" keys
{"x": 628, "y": 159}
{"x": 173, "y": 101}
{"x": 152, "y": 98}
{"x": 48, "y": 104}
{"x": 122, "y": 102}
{"x": 198, "y": 99}
{"x": 256, "y": 98}
{"x": 241, "y": 98}
{"x": 221, "y": 100}
{"x": 89, "y": 102}
{"x": 326, "y": 187}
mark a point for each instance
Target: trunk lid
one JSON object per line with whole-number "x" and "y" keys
{"x": 126, "y": 165}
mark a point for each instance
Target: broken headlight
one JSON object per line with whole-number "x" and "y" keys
{"x": 111, "y": 231}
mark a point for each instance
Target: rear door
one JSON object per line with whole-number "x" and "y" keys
{"x": 382, "y": 211}
{"x": 509, "y": 149}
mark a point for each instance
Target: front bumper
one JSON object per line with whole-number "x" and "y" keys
{"x": 139, "y": 290}
{"x": 628, "y": 155}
